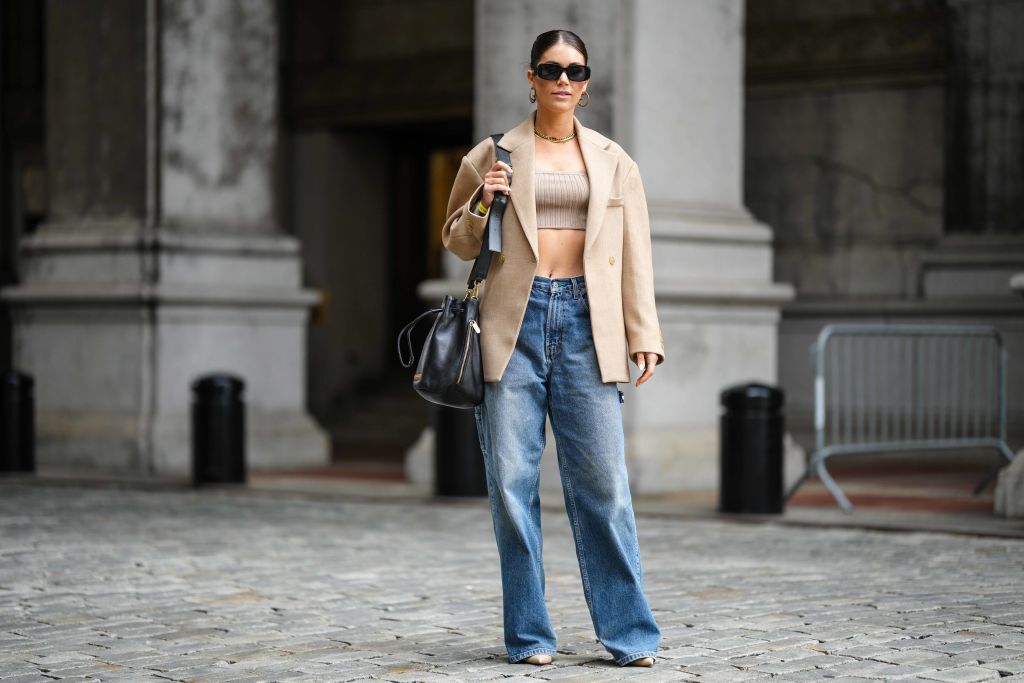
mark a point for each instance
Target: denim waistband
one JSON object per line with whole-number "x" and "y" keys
{"x": 575, "y": 286}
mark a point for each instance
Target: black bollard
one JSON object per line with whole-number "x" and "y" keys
{"x": 17, "y": 423}
{"x": 751, "y": 430}
{"x": 458, "y": 462}
{"x": 218, "y": 430}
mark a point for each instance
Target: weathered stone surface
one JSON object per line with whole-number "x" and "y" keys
{"x": 219, "y": 119}
{"x": 219, "y": 585}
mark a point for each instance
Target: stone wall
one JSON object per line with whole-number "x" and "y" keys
{"x": 844, "y": 152}
{"x": 869, "y": 149}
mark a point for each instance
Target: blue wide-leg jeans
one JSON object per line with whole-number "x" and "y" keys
{"x": 554, "y": 369}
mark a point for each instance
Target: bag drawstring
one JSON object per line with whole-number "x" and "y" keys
{"x": 407, "y": 331}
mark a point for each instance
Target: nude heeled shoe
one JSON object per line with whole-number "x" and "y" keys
{"x": 642, "y": 661}
{"x": 537, "y": 659}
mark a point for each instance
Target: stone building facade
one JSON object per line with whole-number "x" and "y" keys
{"x": 256, "y": 187}
{"x": 160, "y": 254}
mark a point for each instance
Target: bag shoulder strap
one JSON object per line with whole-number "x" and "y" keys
{"x": 492, "y": 233}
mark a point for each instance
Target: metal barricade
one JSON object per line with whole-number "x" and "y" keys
{"x": 881, "y": 388}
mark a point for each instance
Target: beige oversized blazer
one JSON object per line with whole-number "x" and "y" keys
{"x": 616, "y": 254}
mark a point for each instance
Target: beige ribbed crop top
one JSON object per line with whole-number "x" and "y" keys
{"x": 562, "y": 198}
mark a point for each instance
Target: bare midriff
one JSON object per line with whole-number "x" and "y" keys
{"x": 560, "y": 252}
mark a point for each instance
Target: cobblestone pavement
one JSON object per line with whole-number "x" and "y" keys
{"x": 220, "y": 585}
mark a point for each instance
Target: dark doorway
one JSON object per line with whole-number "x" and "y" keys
{"x": 376, "y": 115}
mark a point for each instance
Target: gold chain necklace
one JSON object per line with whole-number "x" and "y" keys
{"x": 551, "y": 138}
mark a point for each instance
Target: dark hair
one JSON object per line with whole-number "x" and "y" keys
{"x": 549, "y": 38}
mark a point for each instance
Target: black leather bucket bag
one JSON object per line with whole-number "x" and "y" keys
{"x": 450, "y": 369}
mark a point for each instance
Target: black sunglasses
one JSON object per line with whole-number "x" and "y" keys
{"x": 552, "y": 71}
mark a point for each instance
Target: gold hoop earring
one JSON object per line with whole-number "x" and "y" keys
{"x": 533, "y": 95}
{"x": 581, "y": 104}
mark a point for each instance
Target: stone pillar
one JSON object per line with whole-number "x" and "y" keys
{"x": 162, "y": 258}
{"x": 679, "y": 113}
{"x": 668, "y": 87}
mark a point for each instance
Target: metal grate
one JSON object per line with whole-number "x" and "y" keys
{"x": 884, "y": 388}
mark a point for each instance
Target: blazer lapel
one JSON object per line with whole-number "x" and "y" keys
{"x": 600, "y": 171}
{"x": 600, "y": 164}
{"x": 519, "y": 142}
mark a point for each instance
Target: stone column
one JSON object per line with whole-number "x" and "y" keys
{"x": 679, "y": 113}
{"x": 668, "y": 87}
{"x": 162, "y": 258}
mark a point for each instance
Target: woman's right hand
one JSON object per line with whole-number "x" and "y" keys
{"x": 495, "y": 180}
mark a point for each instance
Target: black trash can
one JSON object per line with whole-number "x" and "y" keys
{"x": 751, "y": 430}
{"x": 218, "y": 430}
{"x": 458, "y": 462}
{"x": 17, "y": 423}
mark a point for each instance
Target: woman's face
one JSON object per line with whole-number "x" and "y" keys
{"x": 559, "y": 95}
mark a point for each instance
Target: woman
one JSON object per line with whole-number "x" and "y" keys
{"x": 566, "y": 303}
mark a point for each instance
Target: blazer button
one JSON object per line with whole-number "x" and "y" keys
{"x": 611, "y": 260}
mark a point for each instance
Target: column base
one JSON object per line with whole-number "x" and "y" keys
{"x": 114, "y": 355}
{"x": 689, "y": 460}
{"x": 116, "y": 446}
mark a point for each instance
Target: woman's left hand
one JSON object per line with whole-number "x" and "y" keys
{"x": 645, "y": 361}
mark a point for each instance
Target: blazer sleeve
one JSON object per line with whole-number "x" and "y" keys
{"x": 463, "y": 230}
{"x": 643, "y": 331}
